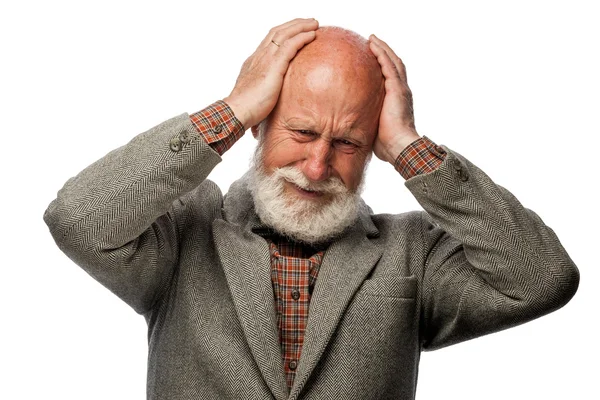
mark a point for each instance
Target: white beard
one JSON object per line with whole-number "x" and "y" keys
{"x": 304, "y": 220}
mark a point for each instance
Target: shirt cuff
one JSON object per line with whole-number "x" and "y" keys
{"x": 218, "y": 126}
{"x": 420, "y": 157}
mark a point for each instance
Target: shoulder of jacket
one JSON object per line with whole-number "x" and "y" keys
{"x": 394, "y": 221}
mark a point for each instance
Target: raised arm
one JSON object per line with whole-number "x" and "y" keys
{"x": 116, "y": 218}
{"x": 492, "y": 263}
{"x": 119, "y": 218}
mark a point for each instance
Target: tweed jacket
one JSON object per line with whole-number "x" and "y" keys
{"x": 146, "y": 223}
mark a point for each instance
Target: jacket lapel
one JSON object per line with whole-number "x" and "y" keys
{"x": 345, "y": 266}
{"x": 246, "y": 262}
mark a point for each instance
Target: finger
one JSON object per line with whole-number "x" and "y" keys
{"x": 388, "y": 68}
{"x": 290, "y": 31}
{"x": 274, "y": 30}
{"x": 291, "y": 46}
{"x": 392, "y": 55}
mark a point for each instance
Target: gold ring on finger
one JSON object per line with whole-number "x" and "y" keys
{"x": 275, "y": 43}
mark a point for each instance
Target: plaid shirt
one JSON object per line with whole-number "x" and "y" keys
{"x": 294, "y": 266}
{"x": 294, "y": 270}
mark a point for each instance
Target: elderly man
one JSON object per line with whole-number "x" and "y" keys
{"x": 288, "y": 287}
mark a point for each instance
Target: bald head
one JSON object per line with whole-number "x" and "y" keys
{"x": 337, "y": 81}
{"x": 336, "y": 42}
{"x": 340, "y": 56}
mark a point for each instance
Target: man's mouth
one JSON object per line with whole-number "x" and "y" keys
{"x": 307, "y": 192}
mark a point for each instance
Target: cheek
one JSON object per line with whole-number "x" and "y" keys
{"x": 281, "y": 153}
{"x": 350, "y": 169}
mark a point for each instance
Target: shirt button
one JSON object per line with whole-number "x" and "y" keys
{"x": 217, "y": 129}
{"x": 293, "y": 365}
{"x": 175, "y": 144}
{"x": 295, "y": 294}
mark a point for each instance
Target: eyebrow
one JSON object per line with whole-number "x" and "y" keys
{"x": 297, "y": 123}
{"x": 293, "y": 123}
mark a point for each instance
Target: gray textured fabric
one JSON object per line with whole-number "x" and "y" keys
{"x": 146, "y": 223}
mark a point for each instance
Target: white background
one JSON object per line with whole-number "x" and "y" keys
{"x": 513, "y": 86}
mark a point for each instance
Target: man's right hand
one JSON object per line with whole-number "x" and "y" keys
{"x": 258, "y": 86}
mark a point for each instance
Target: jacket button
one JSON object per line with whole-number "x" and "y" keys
{"x": 217, "y": 129}
{"x": 293, "y": 365}
{"x": 295, "y": 294}
{"x": 184, "y": 137}
{"x": 175, "y": 144}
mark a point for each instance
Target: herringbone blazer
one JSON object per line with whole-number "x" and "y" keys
{"x": 146, "y": 223}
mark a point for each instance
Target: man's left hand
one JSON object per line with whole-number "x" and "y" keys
{"x": 397, "y": 121}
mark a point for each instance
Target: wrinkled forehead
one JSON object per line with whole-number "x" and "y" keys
{"x": 335, "y": 82}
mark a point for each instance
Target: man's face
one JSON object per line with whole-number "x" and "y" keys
{"x": 324, "y": 125}
{"x": 315, "y": 144}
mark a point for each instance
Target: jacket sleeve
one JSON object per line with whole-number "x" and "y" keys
{"x": 116, "y": 219}
{"x": 491, "y": 264}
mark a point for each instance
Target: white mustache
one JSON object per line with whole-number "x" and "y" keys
{"x": 332, "y": 185}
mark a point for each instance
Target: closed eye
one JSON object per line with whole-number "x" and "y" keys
{"x": 306, "y": 132}
{"x": 344, "y": 145}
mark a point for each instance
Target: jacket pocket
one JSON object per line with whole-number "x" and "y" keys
{"x": 390, "y": 285}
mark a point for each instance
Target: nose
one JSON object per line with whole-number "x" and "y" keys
{"x": 316, "y": 165}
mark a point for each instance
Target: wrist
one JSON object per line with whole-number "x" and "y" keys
{"x": 399, "y": 144}
{"x": 239, "y": 111}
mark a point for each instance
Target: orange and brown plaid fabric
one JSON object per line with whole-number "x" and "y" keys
{"x": 294, "y": 266}
{"x": 218, "y": 126}
{"x": 294, "y": 270}
{"x": 419, "y": 157}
